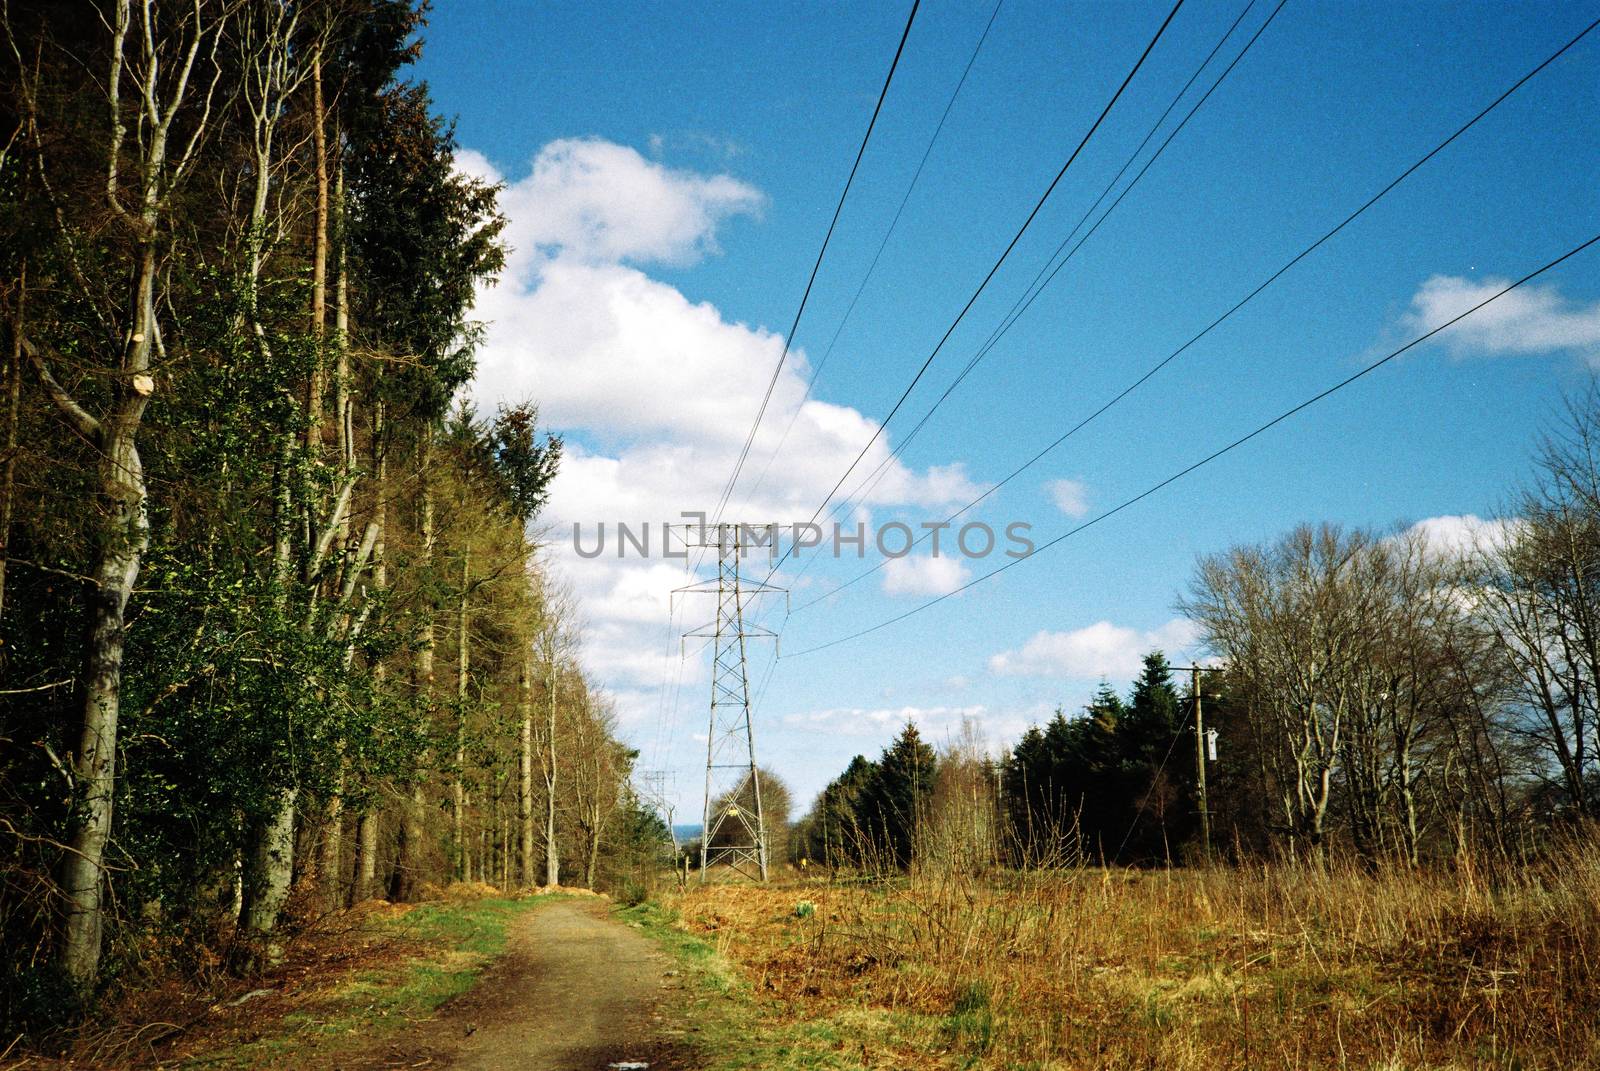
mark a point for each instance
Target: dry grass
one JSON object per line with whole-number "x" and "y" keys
{"x": 1292, "y": 967}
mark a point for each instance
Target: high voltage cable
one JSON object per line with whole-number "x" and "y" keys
{"x": 992, "y": 271}
{"x": 800, "y": 310}
{"x": 1042, "y": 280}
{"x": 788, "y": 340}
{"x": 1034, "y": 288}
{"x": 872, "y": 267}
{"x": 1158, "y": 366}
{"x": 1235, "y": 444}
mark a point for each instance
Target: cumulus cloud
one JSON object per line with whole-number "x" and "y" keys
{"x": 598, "y": 201}
{"x": 1098, "y": 650}
{"x": 1530, "y": 319}
{"x": 923, "y": 574}
{"x": 655, "y": 390}
{"x": 1457, "y": 536}
{"x": 1070, "y": 496}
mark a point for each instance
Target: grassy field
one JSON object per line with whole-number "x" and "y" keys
{"x": 1279, "y": 967}
{"x": 734, "y": 1022}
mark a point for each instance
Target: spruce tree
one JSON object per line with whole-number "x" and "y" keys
{"x": 897, "y": 797}
{"x": 1154, "y": 783}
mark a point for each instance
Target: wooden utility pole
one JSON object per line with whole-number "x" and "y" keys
{"x": 1200, "y": 754}
{"x": 1200, "y": 763}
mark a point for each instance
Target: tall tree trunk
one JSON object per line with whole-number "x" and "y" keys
{"x": 458, "y": 789}
{"x": 8, "y": 473}
{"x": 366, "y": 856}
{"x": 594, "y": 843}
{"x": 267, "y": 878}
{"x": 411, "y": 834}
{"x": 330, "y": 866}
{"x": 120, "y": 517}
{"x": 367, "y": 823}
{"x": 319, "y": 260}
{"x": 525, "y": 757}
{"x": 122, "y": 537}
{"x": 552, "y": 860}
{"x": 269, "y": 863}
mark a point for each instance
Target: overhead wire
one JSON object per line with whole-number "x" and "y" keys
{"x": 1047, "y": 274}
{"x": 788, "y": 340}
{"x": 1034, "y": 288}
{"x": 983, "y": 285}
{"x": 894, "y": 223}
{"x": 1214, "y": 455}
{"x": 691, "y": 569}
{"x": 1238, "y": 305}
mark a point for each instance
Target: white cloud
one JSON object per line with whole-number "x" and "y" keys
{"x": 1457, "y": 536}
{"x": 1070, "y": 496}
{"x": 1529, "y": 319}
{"x": 659, "y": 388}
{"x": 599, "y": 201}
{"x": 920, "y": 574}
{"x": 1098, "y": 650}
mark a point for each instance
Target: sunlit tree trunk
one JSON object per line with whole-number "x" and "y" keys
{"x": 121, "y": 517}
{"x": 525, "y": 762}
{"x": 552, "y": 859}
{"x": 410, "y": 861}
{"x": 367, "y": 827}
{"x": 458, "y": 788}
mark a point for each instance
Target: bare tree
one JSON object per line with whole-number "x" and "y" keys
{"x": 1283, "y": 618}
{"x": 1368, "y": 680}
{"x": 555, "y": 645}
{"x": 1540, "y": 584}
{"x": 599, "y": 772}
{"x": 962, "y": 832}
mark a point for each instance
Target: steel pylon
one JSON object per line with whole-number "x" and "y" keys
{"x": 734, "y": 829}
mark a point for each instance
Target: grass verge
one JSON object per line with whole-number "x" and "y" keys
{"x": 407, "y": 966}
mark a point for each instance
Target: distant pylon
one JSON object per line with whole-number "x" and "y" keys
{"x": 652, "y": 789}
{"x": 732, "y": 816}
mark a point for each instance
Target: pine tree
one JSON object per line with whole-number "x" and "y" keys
{"x": 1153, "y": 789}
{"x": 897, "y": 797}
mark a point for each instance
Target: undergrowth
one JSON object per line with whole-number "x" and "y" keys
{"x": 447, "y": 945}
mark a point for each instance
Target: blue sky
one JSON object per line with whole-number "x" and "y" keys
{"x": 671, "y": 170}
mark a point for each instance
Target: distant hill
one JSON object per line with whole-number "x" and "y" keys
{"x": 687, "y": 832}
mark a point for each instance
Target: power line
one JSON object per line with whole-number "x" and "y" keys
{"x": 766, "y": 399}
{"x": 1241, "y": 303}
{"x": 992, "y": 271}
{"x": 788, "y": 340}
{"x": 893, "y": 224}
{"x": 1041, "y": 281}
{"x": 1235, "y": 444}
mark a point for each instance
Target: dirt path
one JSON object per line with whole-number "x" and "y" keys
{"x": 576, "y": 990}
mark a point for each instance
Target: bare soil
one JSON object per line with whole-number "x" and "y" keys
{"x": 576, "y": 990}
